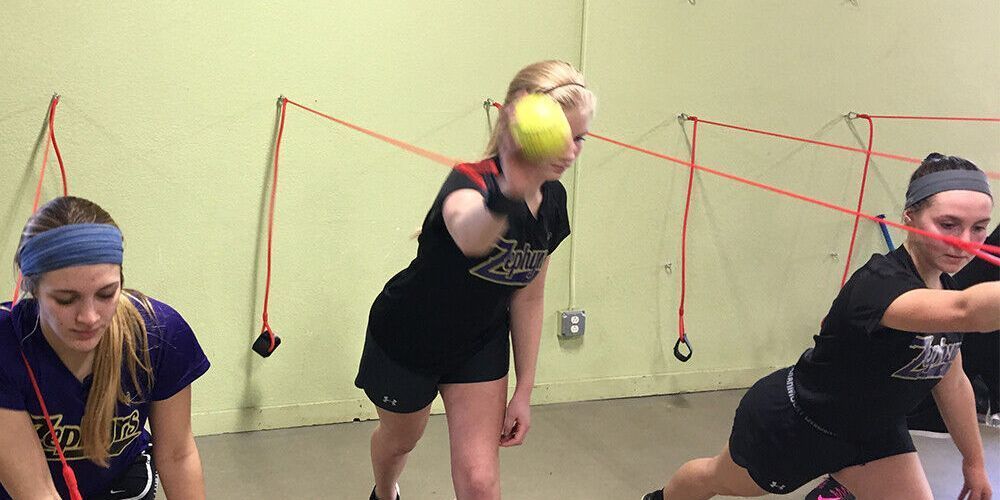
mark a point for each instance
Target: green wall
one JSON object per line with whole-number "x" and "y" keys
{"x": 168, "y": 117}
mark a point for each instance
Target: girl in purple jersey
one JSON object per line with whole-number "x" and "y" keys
{"x": 892, "y": 336}
{"x": 105, "y": 359}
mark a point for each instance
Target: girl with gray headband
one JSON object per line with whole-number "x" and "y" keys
{"x": 889, "y": 340}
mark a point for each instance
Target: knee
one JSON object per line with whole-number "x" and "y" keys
{"x": 395, "y": 442}
{"x": 478, "y": 481}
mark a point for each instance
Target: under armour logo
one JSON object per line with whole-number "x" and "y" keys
{"x": 774, "y": 484}
{"x": 385, "y": 399}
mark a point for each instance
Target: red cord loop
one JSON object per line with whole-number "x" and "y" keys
{"x": 267, "y": 341}
{"x": 681, "y": 332}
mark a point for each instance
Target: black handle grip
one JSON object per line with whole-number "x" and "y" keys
{"x": 677, "y": 349}
{"x": 262, "y": 345}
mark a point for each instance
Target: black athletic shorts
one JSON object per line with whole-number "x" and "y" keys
{"x": 783, "y": 449}
{"x": 397, "y": 388}
{"x": 138, "y": 482}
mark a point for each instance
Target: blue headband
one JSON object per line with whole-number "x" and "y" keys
{"x": 71, "y": 245}
{"x": 946, "y": 180}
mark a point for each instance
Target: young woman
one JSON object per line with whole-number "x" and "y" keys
{"x": 980, "y": 361}
{"x": 104, "y": 360}
{"x": 892, "y": 336}
{"x": 445, "y": 323}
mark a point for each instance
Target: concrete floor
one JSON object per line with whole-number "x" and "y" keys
{"x": 601, "y": 450}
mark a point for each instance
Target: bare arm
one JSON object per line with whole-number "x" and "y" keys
{"x": 975, "y": 309}
{"x": 23, "y": 469}
{"x": 174, "y": 450}
{"x": 526, "y": 309}
{"x": 473, "y": 227}
{"x": 957, "y": 404}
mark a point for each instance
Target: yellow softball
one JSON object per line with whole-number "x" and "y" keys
{"x": 540, "y": 127}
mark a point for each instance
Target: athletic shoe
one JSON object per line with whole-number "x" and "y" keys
{"x": 656, "y": 495}
{"x": 373, "y": 497}
{"x": 990, "y": 420}
{"x": 830, "y": 489}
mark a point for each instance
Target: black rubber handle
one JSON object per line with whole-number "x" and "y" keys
{"x": 677, "y": 349}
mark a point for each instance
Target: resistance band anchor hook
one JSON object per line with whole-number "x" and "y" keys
{"x": 677, "y": 348}
{"x": 683, "y": 117}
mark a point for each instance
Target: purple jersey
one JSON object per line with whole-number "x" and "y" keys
{"x": 177, "y": 360}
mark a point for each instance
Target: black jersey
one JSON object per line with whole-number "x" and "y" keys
{"x": 861, "y": 377}
{"x": 445, "y": 306}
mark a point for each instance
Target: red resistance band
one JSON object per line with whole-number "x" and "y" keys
{"x": 67, "y": 472}
{"x": 980, "y": 250}
{"x": 864, "y": 174}
{"x": 681, "y": 330}
{"x": 50, "y": 140}
{"x": 68, "y": 476}
{"x": 861, "y": 199}
{"x": 267, "y": 341}
{"x": 933, "y": 118}
{"x": 907, "y": 159}
{"x": 682, "y": 334}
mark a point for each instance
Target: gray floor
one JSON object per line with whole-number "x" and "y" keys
{"x": 602, "y": 450}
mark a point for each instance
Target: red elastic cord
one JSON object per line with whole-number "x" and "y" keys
{"x": 55, "y": 145}
{"x": 979, "y": 250}
{"x": 907, "y": 159}
{"x": 861, "y": 198}
{"x": 67, "y": 471}
{"x": 270, "y": 222}
{"x": 934, "y": 118}
{"x": 430, "y": 155}
{"x": 681, "y": 331}
{"x": 49, "y": 138}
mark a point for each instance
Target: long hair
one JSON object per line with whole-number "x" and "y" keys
{"x": 124, "y": 344}
{"x": 559, "y": 79}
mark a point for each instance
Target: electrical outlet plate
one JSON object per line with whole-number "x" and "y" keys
{"x": 573, "y": 323}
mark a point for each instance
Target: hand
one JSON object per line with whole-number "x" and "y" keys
{"x": 977, "y": 484}
{"x": 516, "y": 422}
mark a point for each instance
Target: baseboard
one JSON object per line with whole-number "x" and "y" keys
{"x": 347, "y": 410}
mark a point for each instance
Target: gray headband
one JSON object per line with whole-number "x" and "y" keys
{"x": 946, "y": 180}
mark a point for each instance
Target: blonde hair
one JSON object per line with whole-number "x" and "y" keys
{"x": 125, "y": 342}
{"x": 559, "y": 79}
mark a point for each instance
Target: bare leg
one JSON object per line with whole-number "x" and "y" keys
{"x": 475, "y": 414}
{"x": 393, "y": 440}
{"x": 705, "y": 478}
{"x": 890, "y": 478}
